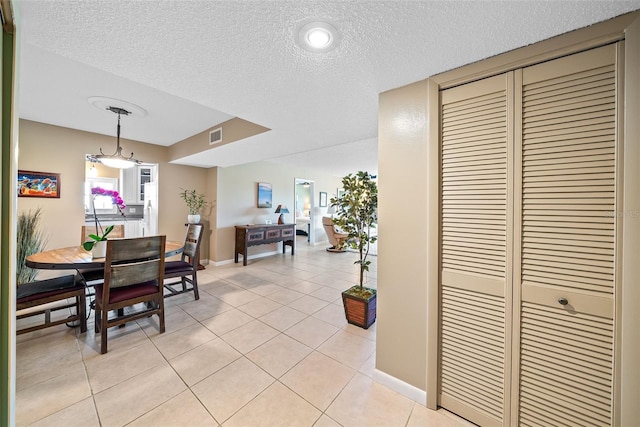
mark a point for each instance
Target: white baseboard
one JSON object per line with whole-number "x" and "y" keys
{"x": 405, "y": 389}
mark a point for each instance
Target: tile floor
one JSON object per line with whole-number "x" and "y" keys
{"x": 266, "y": 345}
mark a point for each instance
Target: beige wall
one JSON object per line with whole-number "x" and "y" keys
{"x": 237, "y": 195}
{"x": 232, "y": 130}
{"x": 402, "y": 273}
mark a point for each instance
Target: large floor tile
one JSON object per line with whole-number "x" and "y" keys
{"x": 325, "y": 421}
{"x": 227, "y": 321}
{"x": 197, "y": 364}
{"x": 135, "y": 397}
{"x": 259, "y": 307}
{"x": 311, "y": 331}
{"x": 236, "y": 299}
{"x": 277, "y": 407}
{"x": 279, "y": 354}
{"x": 176, "y": 343}
{"x": 348, "y": 349}
{"x": 249, "y": 336}
{"x": 283, "y": 318}
{"x": 48, "y": 397}
{"x": 308, "y": 304}
{"x": 332, "y": 314}
{"x": 81, "y": 414}
{"x": 229, "y": 389}
{"x": 366, "y": 403}
{"x": 47, "y": 365}
{"x": 206, "y": 307}
{"x": 318, "y": 379}
{"x": 285, "y": 296}
{"x": 115, "y": 367}
{"x": 182, "y": 410}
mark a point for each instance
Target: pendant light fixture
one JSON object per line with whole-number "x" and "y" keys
{"x": 117, "y": 160}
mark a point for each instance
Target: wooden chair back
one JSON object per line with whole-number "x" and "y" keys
{"x": 116, "y": 233}
{"x": 192, "y": 242}
{"x": 131, "y": 261}
{"x": 185, "y": 270}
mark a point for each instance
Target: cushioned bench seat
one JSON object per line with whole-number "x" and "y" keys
{"x": 45, "y": 292}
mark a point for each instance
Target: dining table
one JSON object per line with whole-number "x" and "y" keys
{"x": 76, "y": 258}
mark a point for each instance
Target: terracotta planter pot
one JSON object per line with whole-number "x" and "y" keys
{"x": 360, "y": 311}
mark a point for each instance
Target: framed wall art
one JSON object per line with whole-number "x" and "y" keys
{"x": 38, "y": 184}
{"x": 264, "y": 195}
{"x": 323, "y": 199}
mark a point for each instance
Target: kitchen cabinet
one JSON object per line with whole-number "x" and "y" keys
{"x": 133, "y": 181}
{"x": 133, "y": 228}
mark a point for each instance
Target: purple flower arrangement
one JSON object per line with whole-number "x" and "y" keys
{"x": 117, "y": 200}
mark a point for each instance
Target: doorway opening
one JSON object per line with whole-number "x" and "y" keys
{"x": 304, "y": 203}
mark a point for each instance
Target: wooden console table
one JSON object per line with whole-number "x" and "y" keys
{"x": 253, "y": 235}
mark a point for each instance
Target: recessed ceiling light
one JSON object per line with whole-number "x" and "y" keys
{"x": 318, "y": 37}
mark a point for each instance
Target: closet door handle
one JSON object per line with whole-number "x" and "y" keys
{"x": 563, "y": 301}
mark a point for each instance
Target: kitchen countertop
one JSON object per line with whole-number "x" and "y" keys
{"x": 89, "y": 218}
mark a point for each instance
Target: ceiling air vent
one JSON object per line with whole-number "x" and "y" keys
{"x": 215, "y": 136}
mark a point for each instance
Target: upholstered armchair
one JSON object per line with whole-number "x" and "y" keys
{"x": 335, "y": 238}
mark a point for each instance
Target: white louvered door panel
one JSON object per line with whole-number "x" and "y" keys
{"x": 474, "y": 242}
{"x": 568, "y": 240}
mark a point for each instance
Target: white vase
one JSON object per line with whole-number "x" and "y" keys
{"x": 193, "y": 218}
{"x": 99, "y": 249}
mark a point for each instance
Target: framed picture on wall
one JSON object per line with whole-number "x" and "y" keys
{"x": 340, "y": 192}
{"x": 38, "y": 184}
{"x": 323, "y": 199}
{"x": 264, "y": 195}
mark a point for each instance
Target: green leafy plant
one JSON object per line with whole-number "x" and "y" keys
{"x": 31, "y": 240}
{"x": 356, "y": 215}
{"x": 97, "y": 238}
{"x": 195, "y": 202}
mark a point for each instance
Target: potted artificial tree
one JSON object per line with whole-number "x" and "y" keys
{"x": 195, "y": 203}
{"x": 356, "y": 215}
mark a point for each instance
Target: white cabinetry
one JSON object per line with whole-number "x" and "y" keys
{"x": 133, "y": 180}
{"x": 133, "y": 228}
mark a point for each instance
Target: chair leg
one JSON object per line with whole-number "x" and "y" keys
{"x": 103, "y": 332}
{"x": 82, "y": 312}
{"x": 194, "y": 283}
{"x": 160, "y": 303}
{"x": 97, "y": 317}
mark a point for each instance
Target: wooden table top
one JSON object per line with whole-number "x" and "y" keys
{"x": 75, "y": 257}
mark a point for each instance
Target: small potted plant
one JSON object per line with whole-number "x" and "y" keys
{"x": 195, "y": 202}
{"x": 356, "y": 216}
{"x": 95, "y": 245}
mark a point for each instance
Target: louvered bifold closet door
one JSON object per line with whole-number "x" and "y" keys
{"x": 474, "y": 241}
{"x": 568, "y": 240}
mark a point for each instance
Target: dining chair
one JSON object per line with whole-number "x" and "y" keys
{"x": 133, "y": 273}
{"x": 92, "y": 275}
{"x": 187, "y": 268}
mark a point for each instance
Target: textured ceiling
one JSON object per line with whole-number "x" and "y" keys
{"x": 194, "y": 64}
